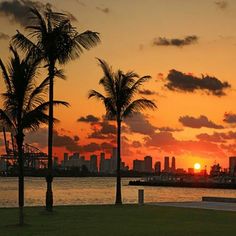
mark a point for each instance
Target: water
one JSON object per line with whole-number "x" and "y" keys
{"x": 76, "y": 191}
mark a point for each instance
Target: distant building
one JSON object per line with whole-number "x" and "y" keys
{"x": 232, "y": 165}
{"x": 93, "y": 164}
{"x": 173, "y": 164}
{"x": 66, "y": 156}
{"x": 102, "y": 162}
{"x": 215, "y": 170}
{"x": 55, "y": 162}
{"x": 166, "y": 164}
{"x": 3, "y": 165}
{"x": 114, "y": 159}
{"x": 180, "y": 171}
{"x": 148, "y": 164}
{"x": 107, "y": 167}
{"x": 138, "y": 165}
{"x": 158, "y": 168}
{"x": 191, "y": 171}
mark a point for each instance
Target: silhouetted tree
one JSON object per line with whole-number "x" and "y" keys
{"x": 24, "y": 107}
{"x": 56, "y": 42}
{"x": 119, "y": 101}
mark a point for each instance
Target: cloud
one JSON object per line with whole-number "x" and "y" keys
{"x": 160, "y": 139}
{"x": 4, "y": 36}
{"x": 104, "y": 10}
{"x": 147, "y": 92}
{"x": 70, "y": 143}
{"x": 201, "y": 121}
{"x": 166, "y": 142}
{"x": 18, "y": 10}
{"x": 217, "y": 137}
{"x": 106, "y": 146}
{"x": 136, "y": 144}
{"x": 221, "y": 4}
{"x": 103, "y": 130}
{"x": 139, "y": 123}
{"x": 88, "y": 118}
{"x": 178, "y": 81}
{"x": 39, "y": 139}
{"x": 169, "y": 129}
{"x": 229, "y": 118}
{"x": 188, "y": 40}
{"x": 70, "y": 16}
{"x": 81, "y": 3}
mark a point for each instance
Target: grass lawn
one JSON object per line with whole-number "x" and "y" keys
{"x": 118, "y": 221}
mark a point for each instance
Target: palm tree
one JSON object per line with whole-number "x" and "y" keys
{"x": 24, "y": 106}
{"x": 56, "y": 42}
{"x": 119, "y": 101}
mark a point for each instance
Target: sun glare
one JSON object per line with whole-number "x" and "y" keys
{"x": 197, "y": 166}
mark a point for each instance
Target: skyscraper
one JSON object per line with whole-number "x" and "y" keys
{"x": 114, "y": 159}
{"x": 232, "y": 165}
{"x": 173, "y": 166}
{"x": 93, "y": 164}
{"x": 66, "y": 155}
{"x": 102, "y": 162}
{"x": 166, "y": 164}
{"x": 158, "y": 168}
{"x": 138, "y": 165}
{"x": 148, "y": 164}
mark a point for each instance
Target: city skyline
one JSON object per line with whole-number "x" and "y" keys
{"x": 194, "y": 124}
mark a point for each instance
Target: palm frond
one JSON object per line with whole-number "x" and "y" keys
{"x": 107, "y": 81}
{"x": 5, "y": 76}
{"x": 87, "y": 39}
{"x": 140, "y": 82}
{"x": 137, "y": 106}
{"x": 6, "y": 120}
{"x": 97, "y": 95}
{"x": 25, "y": 44}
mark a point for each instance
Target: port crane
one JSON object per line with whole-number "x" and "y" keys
{"x": 33, "y": 157}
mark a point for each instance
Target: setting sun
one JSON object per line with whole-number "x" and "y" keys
{"x": 197, "y": 166}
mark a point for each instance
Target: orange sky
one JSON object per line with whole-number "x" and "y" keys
{"x": 128, "y": 29}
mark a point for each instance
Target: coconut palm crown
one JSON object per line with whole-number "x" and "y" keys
{"x": 120, "y": 102}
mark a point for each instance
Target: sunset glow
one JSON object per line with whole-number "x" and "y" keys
{"x": 197, "y": 166}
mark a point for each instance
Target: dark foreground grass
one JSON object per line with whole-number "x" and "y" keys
{"x": 118, "y": 220}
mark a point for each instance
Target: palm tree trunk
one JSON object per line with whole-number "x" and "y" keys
{"x": 49, "y": 178}
{"x": 118, "y": 177}
{"x": 19, "y": 138}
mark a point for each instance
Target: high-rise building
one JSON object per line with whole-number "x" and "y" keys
{"x": 173, "y": 165}
{"x": 102, "y": 162}
{"x": 66, "y": 156}
{"x": 158, "y": 168}
{"x": 93, "y": 164}
{"x": 75, "y": 156}
{"x": 148, "y": 164}
{"x": 191, "y": 171}
{"x": 166, "y": 164}
{"x": 55, "y": 162}
{"x": 107, "y": 166}
{"x": 232, "y": 165}
{"x": 114, "y": 159}
{"x": 138, "y": 165}
{"x": 3, "y": 165}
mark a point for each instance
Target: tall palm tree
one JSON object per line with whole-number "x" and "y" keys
{"x": 57, "y": 42}
{"x": 24, "y": 107}
{"x": 120, "y": 102}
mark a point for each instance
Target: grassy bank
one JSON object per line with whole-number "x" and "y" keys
{"x": 118, "y": 221}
